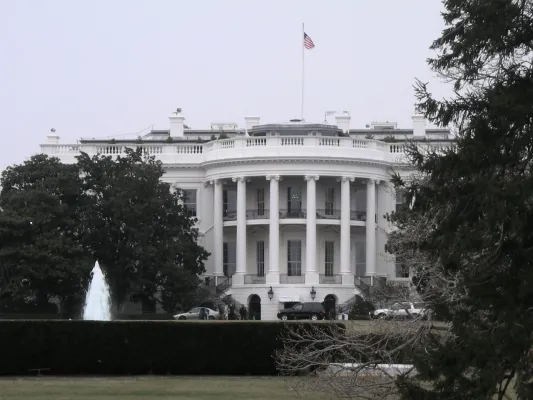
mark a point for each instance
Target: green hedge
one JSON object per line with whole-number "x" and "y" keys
{"x": 139, "y": 347}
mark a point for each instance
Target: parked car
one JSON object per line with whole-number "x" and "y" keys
{"x": 195, "y": 313}
{"x": 311, "y": 311}
{"x": 400, "y": 310}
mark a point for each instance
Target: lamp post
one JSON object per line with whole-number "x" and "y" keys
{"x": 270, "y": 294}
{"x": 313, "y": 293}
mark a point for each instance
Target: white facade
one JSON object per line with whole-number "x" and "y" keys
{"x": 283, "y": 208}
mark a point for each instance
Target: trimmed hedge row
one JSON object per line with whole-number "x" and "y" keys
{"x": 139, "y": 347}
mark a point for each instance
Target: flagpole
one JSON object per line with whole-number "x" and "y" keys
{"x": 302, "y": 39}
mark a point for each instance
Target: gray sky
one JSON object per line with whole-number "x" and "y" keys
{"x": 114, "y": 67}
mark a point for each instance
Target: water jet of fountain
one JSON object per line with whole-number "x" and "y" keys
{"x": 97, "y": 300}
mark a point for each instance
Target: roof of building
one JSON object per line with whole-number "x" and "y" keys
{"x": 386, "y": 131}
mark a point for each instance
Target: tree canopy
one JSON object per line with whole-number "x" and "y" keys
{"x": 468, "y": 235}
{"x": 137, "y": 227}
{"x": 40, "y": 252}
{"x": 57, "y": 219}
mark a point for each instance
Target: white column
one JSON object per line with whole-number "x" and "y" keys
{"x": 218, "y": 228}
{"x": 371, "y": 227}
{"x": 346, "y": 271}
{"x": 272, "y": 277}
{"x": 240, "y": 270}
{"x": 311, "y": 274}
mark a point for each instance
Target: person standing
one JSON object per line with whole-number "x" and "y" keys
{"x": 201, "y": 314}
{"x": 243, "y": 312}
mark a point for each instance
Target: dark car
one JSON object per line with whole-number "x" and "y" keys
{"x": 312, "y": 311}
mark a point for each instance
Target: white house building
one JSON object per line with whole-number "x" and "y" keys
{"x": 290, "y": 212}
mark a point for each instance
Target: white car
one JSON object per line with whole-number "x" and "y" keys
{"x": 195, "y": 313}
{"x": 400, "y": 310}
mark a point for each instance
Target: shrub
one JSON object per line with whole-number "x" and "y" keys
{"x": 360, "y": 309}
{"x": 140, "y": 347}
{"x": 389, "y": 139}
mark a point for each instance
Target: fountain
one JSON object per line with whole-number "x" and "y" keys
{"x": 97, "y": 301}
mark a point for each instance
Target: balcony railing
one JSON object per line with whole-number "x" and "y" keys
{"x": 258, "y": 214}
{"x": 292, "y": 214}
{"x": 223, "y": 283}
{"x": 291, "y": 279}
{"x": 328, "y": 214}
{"x": 184, "y": 151}
{"x": 330, "y": 279}
{"x": 230, "y": 215}
{"x": 363, "y": 281}
{"x": 229, "y": 268}
{"x": 254, "y": 279}
{"x": 358, "y": 215}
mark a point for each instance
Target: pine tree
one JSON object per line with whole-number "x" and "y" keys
{"x": 476, "y": 201}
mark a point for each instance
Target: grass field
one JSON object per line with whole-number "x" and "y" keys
{"x": 171, "y": 388}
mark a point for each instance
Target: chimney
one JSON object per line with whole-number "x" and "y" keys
{"x": 177, "y": 124}
{"x": 419, "y": 126}
{"x": 52, "y": 138}
{"x": 343, "y": 121}
{"x": 250, "y": 122}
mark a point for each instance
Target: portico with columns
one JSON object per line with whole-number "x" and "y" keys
{"x": 303, "y": 219}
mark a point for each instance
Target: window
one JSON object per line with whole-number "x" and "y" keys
{"x": 360, "y": 259}
{"x": 401, "y": 200}
{"x": 328, "y": 257}
{"x": 297, "y": 307}
{"x": 189, "y": 202}
{"x": 260, "y": 194}
{"x": 225, "y": 257}
{"x": 330, "y": 201}
{"x": 294, "y": 258}
{"x": 402, "y": 271}
{"x": 229, "y": 255}
{"x": 260, "y": 258}
{"x": 360, "y": 199}
{"x": 229, "y": 197}
{"x": 294, "y": 200}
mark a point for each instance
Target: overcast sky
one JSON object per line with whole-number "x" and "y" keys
{"x": 104, "y": 68}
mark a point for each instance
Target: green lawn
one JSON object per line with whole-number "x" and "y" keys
{"x": 171, "y": 388}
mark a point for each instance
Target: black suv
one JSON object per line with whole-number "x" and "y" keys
{"x": 312, "y": 311}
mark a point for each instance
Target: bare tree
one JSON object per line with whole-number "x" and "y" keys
{"x": 354, "y": 363}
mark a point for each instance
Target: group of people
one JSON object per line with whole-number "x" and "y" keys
{"x": 242, "y": 315}
{"x": 204, "y": 313}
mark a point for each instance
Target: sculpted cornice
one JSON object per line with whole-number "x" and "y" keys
{"x": 315, "y": 161}
{"x": 214, "y": 164}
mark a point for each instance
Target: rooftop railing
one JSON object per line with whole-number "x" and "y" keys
{"x": 238, "y": 147}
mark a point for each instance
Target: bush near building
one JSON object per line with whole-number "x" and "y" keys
{"x": 140, "y": 347}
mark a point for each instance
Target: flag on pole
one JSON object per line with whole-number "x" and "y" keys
{"x": 308, "y": 42}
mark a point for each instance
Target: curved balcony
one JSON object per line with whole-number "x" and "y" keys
{"x": 274, "y": 147}
{"x": 323, "y": 216}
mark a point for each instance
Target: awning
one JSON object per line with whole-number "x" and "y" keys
{"x": 288, "y": 299}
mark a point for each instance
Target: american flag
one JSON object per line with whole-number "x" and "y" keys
{"x": 308, "y": 42}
